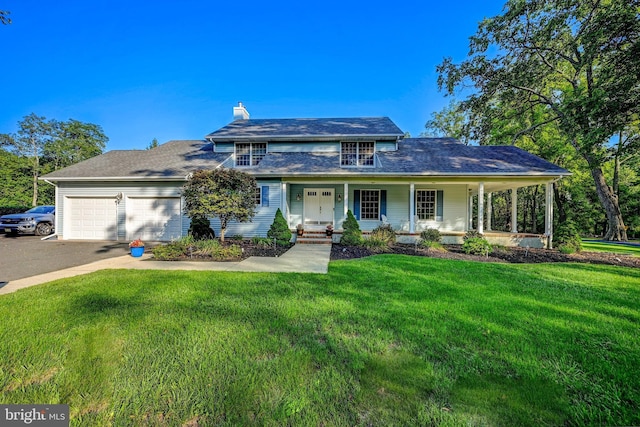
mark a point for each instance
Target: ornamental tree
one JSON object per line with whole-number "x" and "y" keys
{"x": 226, "y": 194}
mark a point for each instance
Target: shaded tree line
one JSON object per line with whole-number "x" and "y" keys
{"x": 560, "y": 79}
{"x": 40, "y": 146}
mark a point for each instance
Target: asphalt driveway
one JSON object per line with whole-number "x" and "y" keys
{"x": 25, "y": 256}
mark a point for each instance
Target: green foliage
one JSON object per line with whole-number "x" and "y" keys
{"x": 351, "y": 235}
{"x": 188, "y": 246}
{"x": 279, "y": 230}
{"x": 572, "y": 67}
{"x": 200, "y": 228}
{"x": 237, "y": 237}
{"x": 376, "y": 244}
{"x": 264, "y": 242}
{"x": 226, "y": 194}
{"x": 472, "y": 234}
{"x": 384, "y": 233}
{"x": 567, "y": 237}
{"x": 430, "y": 235}
{"x": 477, "y": 246}
{"x": 7, "y": 210}
{"x": 433, "y": 246}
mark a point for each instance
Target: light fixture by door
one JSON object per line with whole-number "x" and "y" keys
{"x": 339, "y": 197}
{"x": 298, "y": 197}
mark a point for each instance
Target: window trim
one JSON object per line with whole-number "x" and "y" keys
{"x": 375, "y": 190}
{"x": 251, "y": 153}
{"x": 257, "y": 198}
{"x": 357, "y": 154}
{"x": 435, "y": 204}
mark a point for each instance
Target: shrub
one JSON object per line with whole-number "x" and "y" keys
{"x": 237, "y": 237}
{"x": 188, "y": 246}
{"x": 200, "y": 228}
{"x": 262, "y": 241}
{"x": 384, "y": 233}
{"x": 566, "y": 249}
{"x": 430, "y": 235}
{"x": 477, "y": 246}
{"x": 376, "y": 244}
{"x": 352, "y": 235}
{"x": 566, "y": 236}
{"x": 432, "y": 246}
{"x": 280, "y": 230}
{"x": 471, "y": 234}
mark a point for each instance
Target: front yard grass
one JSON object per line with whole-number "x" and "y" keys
{"x": 385, "y": 340}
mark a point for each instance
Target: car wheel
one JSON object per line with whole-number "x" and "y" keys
{"x": 43, "y": 229}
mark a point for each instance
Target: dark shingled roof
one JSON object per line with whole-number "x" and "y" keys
{"x": 174, "y": 159}
{"x": 415, "y": 157}
{"x": 272, "y": 129}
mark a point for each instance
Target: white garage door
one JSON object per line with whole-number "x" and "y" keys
{"x": 154, "y": 219}
{"x": 91, "y": 218}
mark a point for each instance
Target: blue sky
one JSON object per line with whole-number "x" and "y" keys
{"x": 174, "y": 70}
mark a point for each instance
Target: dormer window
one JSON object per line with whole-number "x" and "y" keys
{"x": 357, "y": 154}
{"x": 250, "y": 154}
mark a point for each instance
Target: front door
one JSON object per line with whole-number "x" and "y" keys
{"x": 318, "y": 206}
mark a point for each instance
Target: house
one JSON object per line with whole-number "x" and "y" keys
{"x": 314, "y": 170}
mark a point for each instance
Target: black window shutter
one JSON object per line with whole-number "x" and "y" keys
{"x": 356, "y": 204}
{"x": 383, "y": 203}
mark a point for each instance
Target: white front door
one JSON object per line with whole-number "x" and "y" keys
{"x": 318, "y": 206}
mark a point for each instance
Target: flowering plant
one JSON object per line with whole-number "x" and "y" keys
{"x": 330, "y": 227}
{"x": 136, "y": 243}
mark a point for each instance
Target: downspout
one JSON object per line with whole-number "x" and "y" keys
{"x": 55, "y": 225}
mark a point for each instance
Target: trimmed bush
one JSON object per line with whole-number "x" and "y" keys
{"x": 280, "y": 230}
{"x": 567, "y": 237}
{"x": 200, "y": 228}
{"x": 188, "y": 246}
{"x": 471, "y": 234}
{"x": 352, "y": 235}
{"x": 431, "y": 235}
{"x": 477, "y": 246}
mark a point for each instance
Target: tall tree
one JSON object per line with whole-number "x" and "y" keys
{"x": 452, "y": 122}
{"x": 227, "y": 194}
{"x": 72, "y": 142}
{"x": 34, "y": 132}
{"x": 579, "y": 60}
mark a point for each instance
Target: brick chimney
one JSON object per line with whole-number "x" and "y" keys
{"x": 240, "y": 113}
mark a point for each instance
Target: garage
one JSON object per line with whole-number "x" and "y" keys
{"x": 91, "y": 218}
{"x": 153, "y": 219}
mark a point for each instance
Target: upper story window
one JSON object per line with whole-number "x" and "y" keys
{"x": 357, "y": 154}
{"x": 250, "y": 154}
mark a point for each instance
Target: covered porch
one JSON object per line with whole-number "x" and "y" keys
{"x": 453, "y": 206}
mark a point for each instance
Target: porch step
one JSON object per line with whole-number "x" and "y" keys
{"x": 314, "y": 238}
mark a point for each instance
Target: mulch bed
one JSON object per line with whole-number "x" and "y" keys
{"x": 514, "y": 255}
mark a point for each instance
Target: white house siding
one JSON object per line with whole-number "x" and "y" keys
{"x": 70, "y": 191}
{"x": 304, "y": 147}
{"x": 261, "y": 221}
{"x": 454, "y": 206}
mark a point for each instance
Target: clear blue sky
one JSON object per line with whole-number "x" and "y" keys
{"x": 174, "y": 70}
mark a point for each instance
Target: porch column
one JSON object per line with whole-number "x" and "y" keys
{"x": 514, "y": 210}
{"x": 489, "y": 211}
{"x": 481, "y": 207}
{"x": 548, "y": 215}
{"x": 412, "y": 208}
{"x": 345, "y": 200}
{"x": 470, "y": 227}
{"x": 284, "y": 203}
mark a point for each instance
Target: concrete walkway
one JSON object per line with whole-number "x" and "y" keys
{"x": 298, "y": 259}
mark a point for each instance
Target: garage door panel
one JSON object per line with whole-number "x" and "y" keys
{"x": 154, "y": 218}
{"x": 92, "y": 218}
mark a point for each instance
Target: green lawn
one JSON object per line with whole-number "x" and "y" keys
{"x": 387, "y": 340}
{"x": 616, "y": 248}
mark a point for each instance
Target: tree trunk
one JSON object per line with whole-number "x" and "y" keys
{"x": 616, "y": 229}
